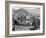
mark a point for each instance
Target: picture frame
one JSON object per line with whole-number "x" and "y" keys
{"x": 7, "y": 18}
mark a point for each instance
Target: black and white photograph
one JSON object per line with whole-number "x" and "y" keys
{"x": 25, "y": 18}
